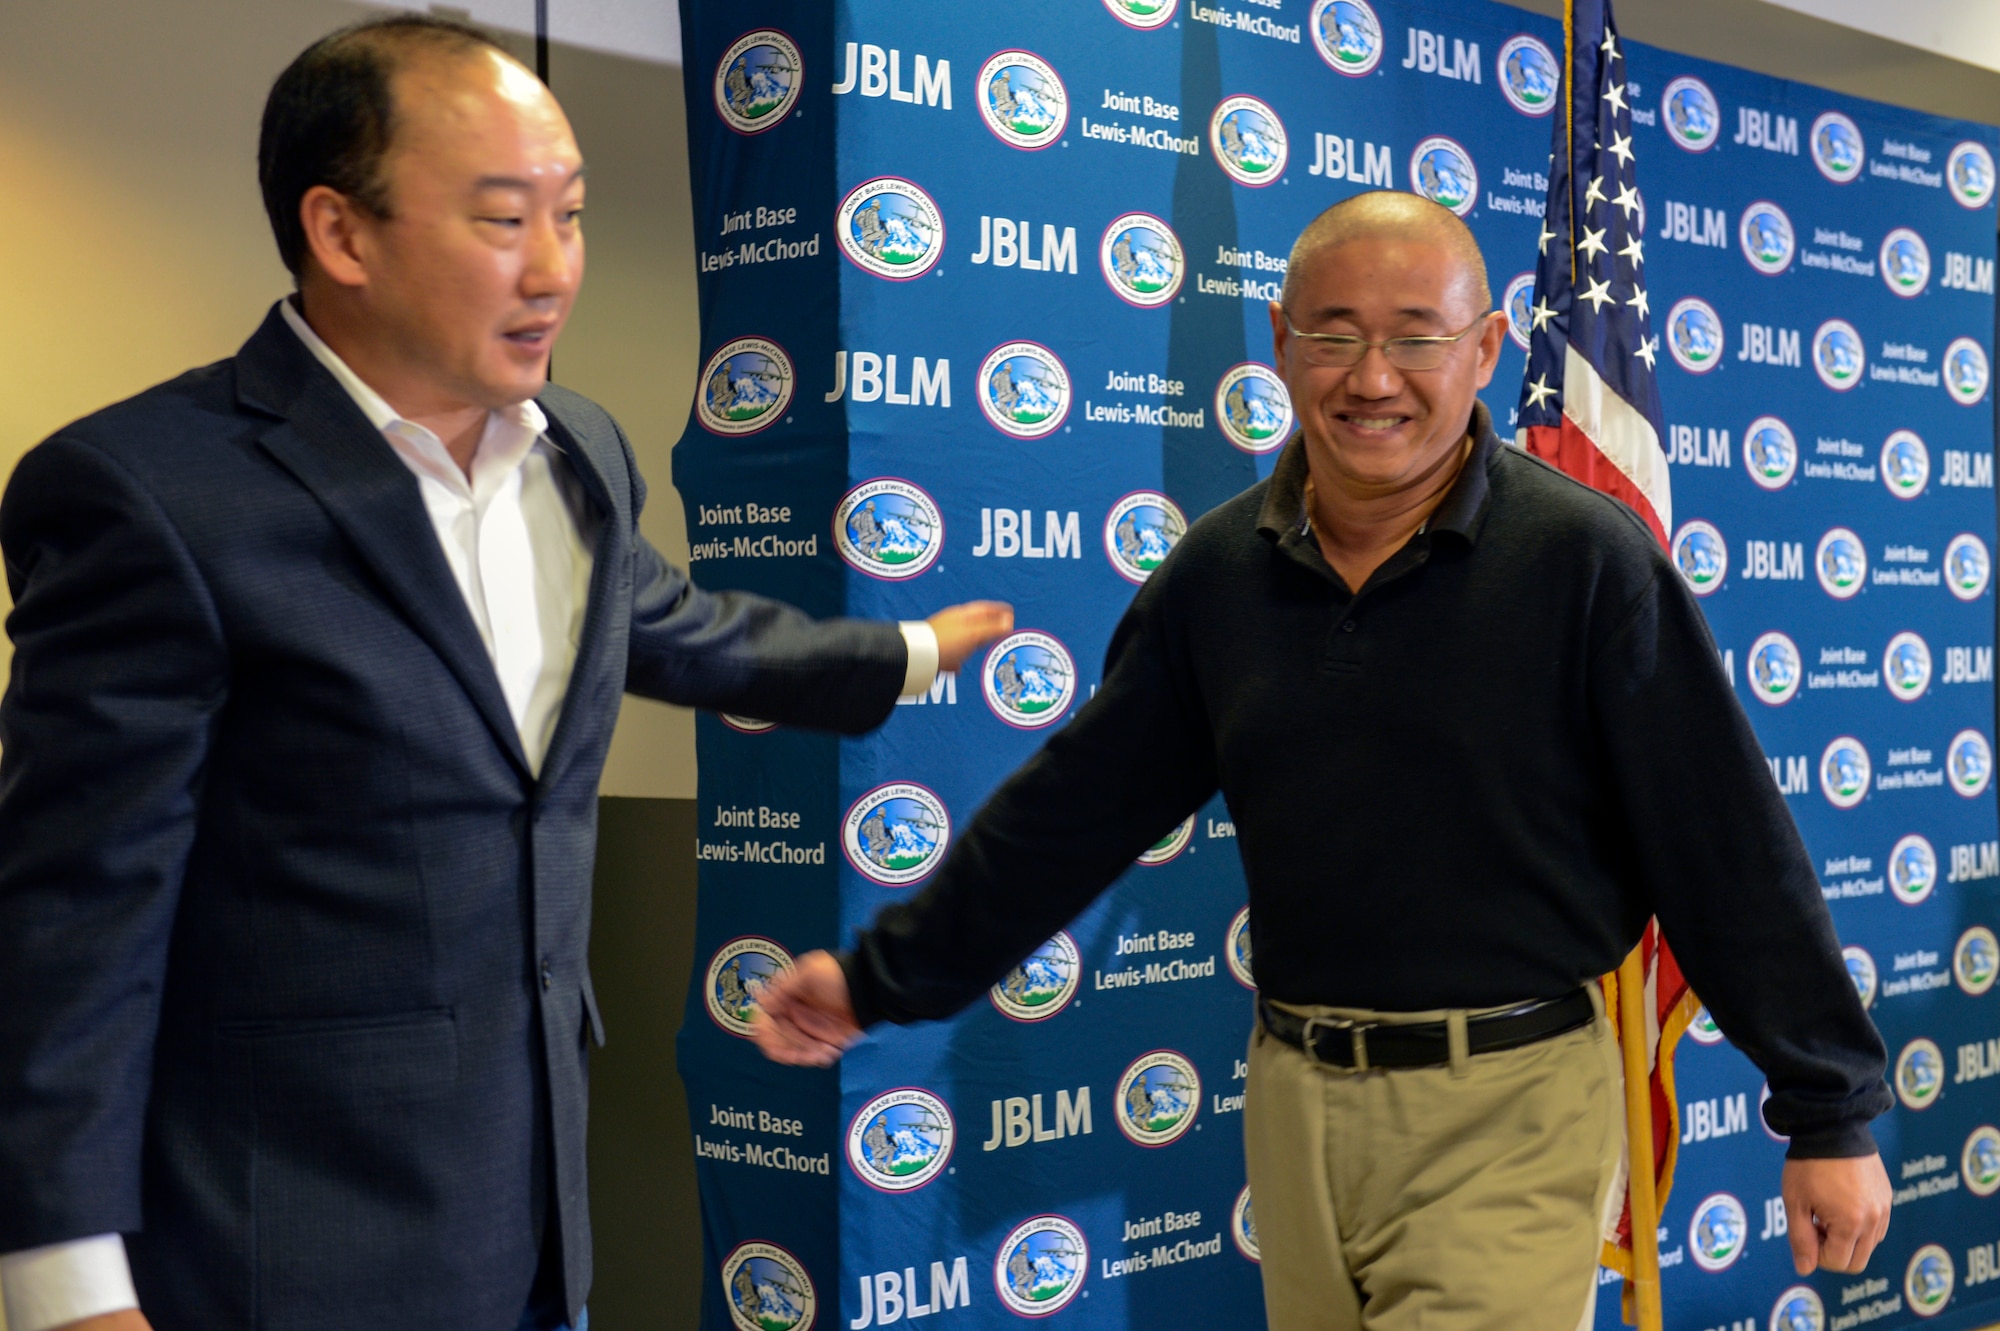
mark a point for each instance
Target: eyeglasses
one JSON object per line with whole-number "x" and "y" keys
{"x": 1345, "y": 351}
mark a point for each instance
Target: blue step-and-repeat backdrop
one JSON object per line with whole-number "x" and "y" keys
{"x": 983, "y": 300}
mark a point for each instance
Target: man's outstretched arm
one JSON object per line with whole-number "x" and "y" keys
{"x": 1136, "y": 760}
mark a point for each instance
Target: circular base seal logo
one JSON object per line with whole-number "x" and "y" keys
{"x": 1906, "y": 262}
{"x": 1906, "y": 667}
{"x": 1140, "y": 532}
{"x": 1694, "y": 335}
{"x": 1837, "y": 355}
{"x": 1042, "y": 1262}
{"x": 1142, "y": 260}
{"x": 1023, "y": 389}
{"x": 758, "y": 80}
{"x": 1968, "y": 172}
{"x": 1967, "y": 567}
{"x": 1442, "y": 171}
{"x": 736, "y": 975}
{"x": 1928, "y": 1280}
{"x": 1717, "y": 1234}
{"x": 900, "y": 1140}
{"x": 1906, "y": 464}
{"x": 1170, "y": 845}
{"x": 1530, "y": 78}
{"x": 1249, "y": 141}
{"x": 1518, "y": 301}
{"x": 1976, "y": 960}
{"x": 1700, "y": 556}
{"x": 1252, "y": 407}
{"x": 1980, "y": 1161}
{"x": 1770, "y": 452}
{"x": 1702, "y": 1028}
{"x": 1022, "y": 100}
{"x": 889, "y": 227}
{"x": 768, "y": 1289}
{"x": 1798, "y": 1309}
{"x": 1861, "y": 970}
{"x": 1844, "y": 772}
{"x": 1142, "y": 13}
{"x": 1969, "y": 763}
{"x": 1043, "y": 983}
{"x": 745, "y": 387}
{"x": 1912, "y": 869}
{"x": 1837, "y": 147}
{"x": 896, "y": 834}
{"x": 1919, "y": 1074}
{"x": 1767, "y": 237}
{"x": 1692, "y": 116}
{"x": 1775, "y": 669}
{"x": 1029, "y": 680}
{"x": 1841, "y": 562}
{"x": 1347, "y": 36}
{"x": 1158, "y": 1098}
{"x": 888, "y": 528}
{"x": 1236, "y": 949}
{"x": 1243, "y": 1227}
{"x": 1965, "y": 371}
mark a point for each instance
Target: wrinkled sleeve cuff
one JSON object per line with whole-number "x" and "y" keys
{"x": 66, "y": 1282}
{"x": 922, "y": 641}
{"x": 1840, "y": 1142}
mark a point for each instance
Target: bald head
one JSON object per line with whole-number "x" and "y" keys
{"x": 1392, "y": 215}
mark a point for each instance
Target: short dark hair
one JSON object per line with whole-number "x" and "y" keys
{"x": 331, "y": 116}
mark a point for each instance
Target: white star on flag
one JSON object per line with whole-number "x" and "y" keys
{"x": 1540, "y": 392}
{"x": 1627, "y": 200}
{"x": 1638, "y": 302}
{"x": 1647, "y": 350}
{"x": 1615, "y": 94}
{"x": 1592, "y": 243}
{"x": 1594, "y": 192}
{"x": 1621, "y": 148}
{"x": 1635, "y": 250}
{"x": 1599, "y": 295}
{"x": 1542, "y": 314}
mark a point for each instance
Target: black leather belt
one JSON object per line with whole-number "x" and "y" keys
{"x": 1363, "y": 1045}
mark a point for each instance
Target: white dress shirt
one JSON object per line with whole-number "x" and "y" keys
{"x": 518, "y": 533}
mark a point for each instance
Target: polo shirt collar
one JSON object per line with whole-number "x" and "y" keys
{"x": 1462, "y": 513}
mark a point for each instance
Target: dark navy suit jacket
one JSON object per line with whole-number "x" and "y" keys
{"x": 293, "y": 983}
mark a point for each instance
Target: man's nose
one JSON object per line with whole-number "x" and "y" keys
{"x": 555, "y": 261}
{"x": 1373, "y": 376}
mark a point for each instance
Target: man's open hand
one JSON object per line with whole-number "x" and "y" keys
{"x": 129, "y": 1320}
{"x": 963, "y": 629}
{"x": 1836, "y": 1211}
{"x": 804, "y": 1017}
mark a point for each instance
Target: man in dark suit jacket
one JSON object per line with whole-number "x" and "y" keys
{"x": 318, "y": 652}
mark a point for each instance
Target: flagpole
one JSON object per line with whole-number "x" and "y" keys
{"x": 1633, "y": 1044}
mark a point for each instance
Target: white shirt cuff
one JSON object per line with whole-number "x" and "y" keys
{"x": 66, "y": 1282}
{"x": 922, "y": 641}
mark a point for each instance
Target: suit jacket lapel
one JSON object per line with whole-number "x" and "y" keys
{"x": 326, "y": 442}
{"x": 573, "y": 723}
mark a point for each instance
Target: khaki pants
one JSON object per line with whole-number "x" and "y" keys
{"x": 1433, "y": 1199}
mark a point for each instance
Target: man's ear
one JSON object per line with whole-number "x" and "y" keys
{"x": 1490, "y": 338}
{"x": 336, "y": 231}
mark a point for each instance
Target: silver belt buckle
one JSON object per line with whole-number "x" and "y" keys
{"x": 1357, "y": 1032}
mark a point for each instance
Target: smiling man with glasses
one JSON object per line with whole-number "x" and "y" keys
{"x": 1473, "y": 733}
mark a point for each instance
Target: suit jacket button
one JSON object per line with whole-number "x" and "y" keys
{"x": 548, "y": 976}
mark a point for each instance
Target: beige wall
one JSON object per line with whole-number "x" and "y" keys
{"x": 134, "y": 245}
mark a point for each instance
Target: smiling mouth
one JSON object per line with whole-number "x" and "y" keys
{"x": 535, "y": 336}
{"x": 1373, "y": 422}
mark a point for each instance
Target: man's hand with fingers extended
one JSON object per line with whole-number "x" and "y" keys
{"x": 804, "y": 1017}
{"x": 1837, "y": 1211}
{"x": 963, "y": 629}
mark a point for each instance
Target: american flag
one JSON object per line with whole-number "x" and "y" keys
{"x": 1590, "y": 404}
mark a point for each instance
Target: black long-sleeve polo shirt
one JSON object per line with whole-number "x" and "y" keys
{"x": 1467, "y": 784}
